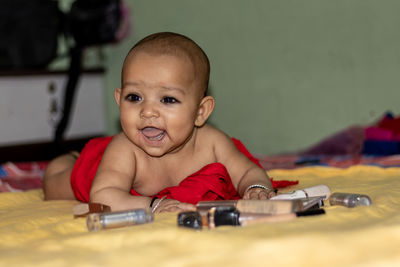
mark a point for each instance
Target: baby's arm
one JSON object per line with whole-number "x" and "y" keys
{"x": 114, "y": 179}
{"x": 115, "y": 176}
{"x": 250, "y": 181}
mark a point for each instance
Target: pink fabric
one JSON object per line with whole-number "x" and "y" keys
{"x": 379, "y": 134}
{"x": 389, "y": 129}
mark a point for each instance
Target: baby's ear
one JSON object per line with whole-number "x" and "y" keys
{"x": 117, "y": 95}
{"x": 205, "y": 109}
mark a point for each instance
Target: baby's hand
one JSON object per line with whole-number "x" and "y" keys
{"x": 172, "y": 205}
{"x": 258, "y": 193}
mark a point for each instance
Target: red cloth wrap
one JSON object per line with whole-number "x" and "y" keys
{"x": 212, "y": 182}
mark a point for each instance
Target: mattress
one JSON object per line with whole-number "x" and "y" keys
{"x": 34, "y": 232}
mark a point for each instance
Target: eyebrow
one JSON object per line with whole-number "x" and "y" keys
{"x": 174, "y": 89}
{"x": 163, "y": 87}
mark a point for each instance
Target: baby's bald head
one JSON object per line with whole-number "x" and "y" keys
{"x": 168, "y": 43}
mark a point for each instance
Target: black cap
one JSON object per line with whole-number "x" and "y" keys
{"x": 226, "y": 216}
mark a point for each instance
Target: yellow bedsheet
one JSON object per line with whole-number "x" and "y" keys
{"x": 38, "y": 233}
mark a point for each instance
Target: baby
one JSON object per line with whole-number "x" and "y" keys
{"x": 164, "y": 107}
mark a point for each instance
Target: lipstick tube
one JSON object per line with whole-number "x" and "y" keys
{"x": 349, "y": 200}
{"x": 107, "y": 220}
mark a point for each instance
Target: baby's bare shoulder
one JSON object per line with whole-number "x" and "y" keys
{"x": 122, "y": 142}
{"x": 211, "y": 135}
{"x": 211, "y": 131}
{"x": 120, "y": 148}
{"x": 127, "y": 151}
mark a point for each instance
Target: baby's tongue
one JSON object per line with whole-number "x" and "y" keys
{"x": 151, "y": 131}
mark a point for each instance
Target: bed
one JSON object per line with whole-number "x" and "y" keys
{"x": 45, "y": 233}
{"x": 39, "y": 233}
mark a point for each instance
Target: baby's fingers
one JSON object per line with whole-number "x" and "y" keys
{"x": 176, "y": 206}
{"x": 188, "y": 207}
{"x": 169, "y": 209}
{"x": 258, "y": 193}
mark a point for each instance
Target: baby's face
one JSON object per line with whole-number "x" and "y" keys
{"x": 158, "y": 102}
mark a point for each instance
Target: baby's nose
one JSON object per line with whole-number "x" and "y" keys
{"x": 149, "y": 111}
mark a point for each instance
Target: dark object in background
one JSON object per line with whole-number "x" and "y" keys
{"x": 90, "y": 22}
{"x": 381, "y": 148}
{"x": 29, "y": 32}
{"x": 94, "y": 22}
{"x": 29, "y": 29}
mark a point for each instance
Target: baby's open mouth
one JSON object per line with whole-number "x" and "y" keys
{"x": 153, "y": 134}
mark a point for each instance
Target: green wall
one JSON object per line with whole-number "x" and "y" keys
{"x": 285, "y": 73}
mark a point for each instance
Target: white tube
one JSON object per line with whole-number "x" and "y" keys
{"x": 314, "y": 191}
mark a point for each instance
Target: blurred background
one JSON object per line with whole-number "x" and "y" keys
{"x": 284, "y": 73}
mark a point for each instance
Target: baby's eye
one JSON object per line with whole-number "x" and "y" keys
{"x": 169, "y": 100}
{"x": 133, "y": 98}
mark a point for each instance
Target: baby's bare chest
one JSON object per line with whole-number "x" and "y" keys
{"x": 152, "y": 178}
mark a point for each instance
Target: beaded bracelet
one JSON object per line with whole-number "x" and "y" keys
{"x": 257, "y": 186}
{"x": 158, "y": 204}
